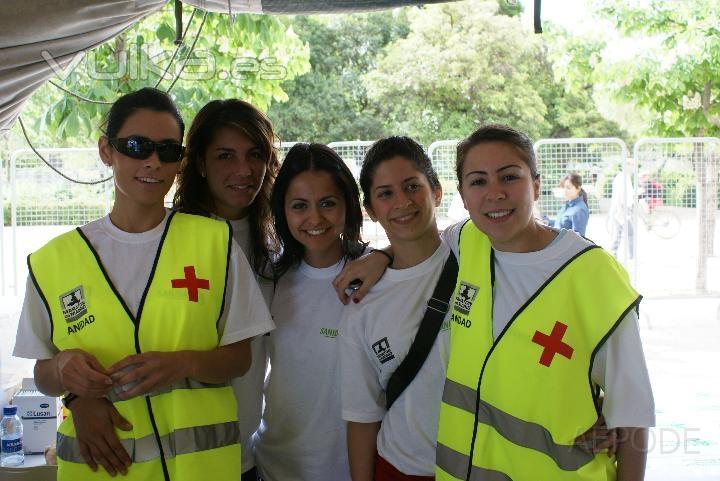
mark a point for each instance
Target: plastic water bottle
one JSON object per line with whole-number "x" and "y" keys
{"x": 11, "y": 438}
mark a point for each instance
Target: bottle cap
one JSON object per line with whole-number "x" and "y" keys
{"x": 9, "y": 410}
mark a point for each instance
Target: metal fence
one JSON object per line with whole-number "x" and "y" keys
{"x": 599, "y": 162}
{"x": 442, "y": 154}
{"x": 666, "y": 232}
{"x": 38, "y": 203}
{"x": 677, "y": 236}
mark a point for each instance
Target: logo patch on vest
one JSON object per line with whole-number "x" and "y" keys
{"x": 465, "y": 296}
{"x": 73, "y": 304}
{"x": 382, "y": 350}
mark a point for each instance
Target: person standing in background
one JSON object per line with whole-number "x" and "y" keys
{"x": 574, "y": 214}
{"x": 622, "y": 201}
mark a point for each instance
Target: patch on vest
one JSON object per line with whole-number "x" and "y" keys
{"x": 73, "y": 304}
{"x": 465, "y": 296}
{"x": 382, "y": 350}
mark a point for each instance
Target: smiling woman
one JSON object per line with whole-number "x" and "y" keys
{"x": 228, "y": 172}
{"x": 139, "y": 312}
{"x": 316, "y": 206}
{"x": 541, "y": 311}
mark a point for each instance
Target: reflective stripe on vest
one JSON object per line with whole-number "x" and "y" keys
{"x": 514, "y": 405}
{"x": 181, "y": 441}
{"x": 180, "y": 308}
{"x": 455, "y": 464}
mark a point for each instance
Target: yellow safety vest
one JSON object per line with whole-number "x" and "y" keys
{"x": 513, "y": 406}
{"x": 188, "y": 431}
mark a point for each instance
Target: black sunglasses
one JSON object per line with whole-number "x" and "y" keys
{"x": 141, "y": 148}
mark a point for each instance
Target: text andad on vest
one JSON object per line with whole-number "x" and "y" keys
{"x": 77, "y": 327}
{"x": 460, "y": 320}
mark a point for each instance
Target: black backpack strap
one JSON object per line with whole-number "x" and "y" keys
{"x": 437, "y": 307}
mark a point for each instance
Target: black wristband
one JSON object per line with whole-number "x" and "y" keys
{"x": 68, "y": 398}
{"x": 390, "y": 258}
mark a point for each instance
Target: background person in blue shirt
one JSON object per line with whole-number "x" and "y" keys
{"x": 574, "y": 214}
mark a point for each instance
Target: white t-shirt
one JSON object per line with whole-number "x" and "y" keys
{"x": 248, "y": 388}
{"x": 619, "y": 366}
{"x": 375, "y": 337}
{"x": 302, "y": 436}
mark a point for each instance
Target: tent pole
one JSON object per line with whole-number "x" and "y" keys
{"x": 178, "y": 22}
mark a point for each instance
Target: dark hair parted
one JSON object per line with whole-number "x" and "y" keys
{"x": 575, "y": 179}
{"x": 497, "y": 133}
{"x": 319, "y": 158}
{"x": 145, "y": 98}
{"x": 386, "y": 149}
{"x": 193, "y": 195}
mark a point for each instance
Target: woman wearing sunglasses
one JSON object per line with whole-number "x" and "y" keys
{"x": 141, "y": 318}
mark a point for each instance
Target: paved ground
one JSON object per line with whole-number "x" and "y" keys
{"x": 682, "y": 345}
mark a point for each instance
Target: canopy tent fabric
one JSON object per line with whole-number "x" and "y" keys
{"x": 42, "y": 38}
{"x": 301, "y": 7}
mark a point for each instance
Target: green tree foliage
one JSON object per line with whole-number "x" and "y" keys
{"x": 330, "y": 102}
{"x": 468, "y": 63}
{"x": 248, "y": 57}
{"x": 677, "y": 80}
{"x": 566, "y": 79}
{"x": 511, "y": 8}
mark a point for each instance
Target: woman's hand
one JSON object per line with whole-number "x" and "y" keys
{"x": 95, "y": 422}
{"x": 80, "y": 373}
{"x": 599, "y": 437}
{"x": 367, "y": 269}
{"x": 141, "y": 374}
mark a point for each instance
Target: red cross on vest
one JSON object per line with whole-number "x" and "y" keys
{"x": 553, "y": 344}
{"x": 191, "y": 283}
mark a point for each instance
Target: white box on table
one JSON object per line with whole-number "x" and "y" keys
{"x": 41, "y": 415}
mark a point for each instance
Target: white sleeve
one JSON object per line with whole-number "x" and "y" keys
{"x": 34, "y": 337}
{"x": 620, "y": 370}
{"x": 362, "y": 395}
{"x": 451, "y": 236}
{"x": 245, "y": 313}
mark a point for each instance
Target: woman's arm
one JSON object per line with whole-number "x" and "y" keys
{"x": 368, "y": 269}
{"x": 74, "y": 371}
{"x": 632, "y": 453}
{"x": 95, "y": 421}
{"x": 362, "y": 448}
{"x": 154, "y": 370}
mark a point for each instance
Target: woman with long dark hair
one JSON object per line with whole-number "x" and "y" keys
{"x": 228, "y": 173}
{"x": 316, "y": 207}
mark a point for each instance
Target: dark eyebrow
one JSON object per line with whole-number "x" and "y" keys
{"x": 305, "y": 200}
{"x": 482, "y": 172}
{"x": 225, "y": 149}
{"x": 415, "y": 177}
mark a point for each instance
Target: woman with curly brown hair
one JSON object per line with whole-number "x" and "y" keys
{"x": 228, "y": 173}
